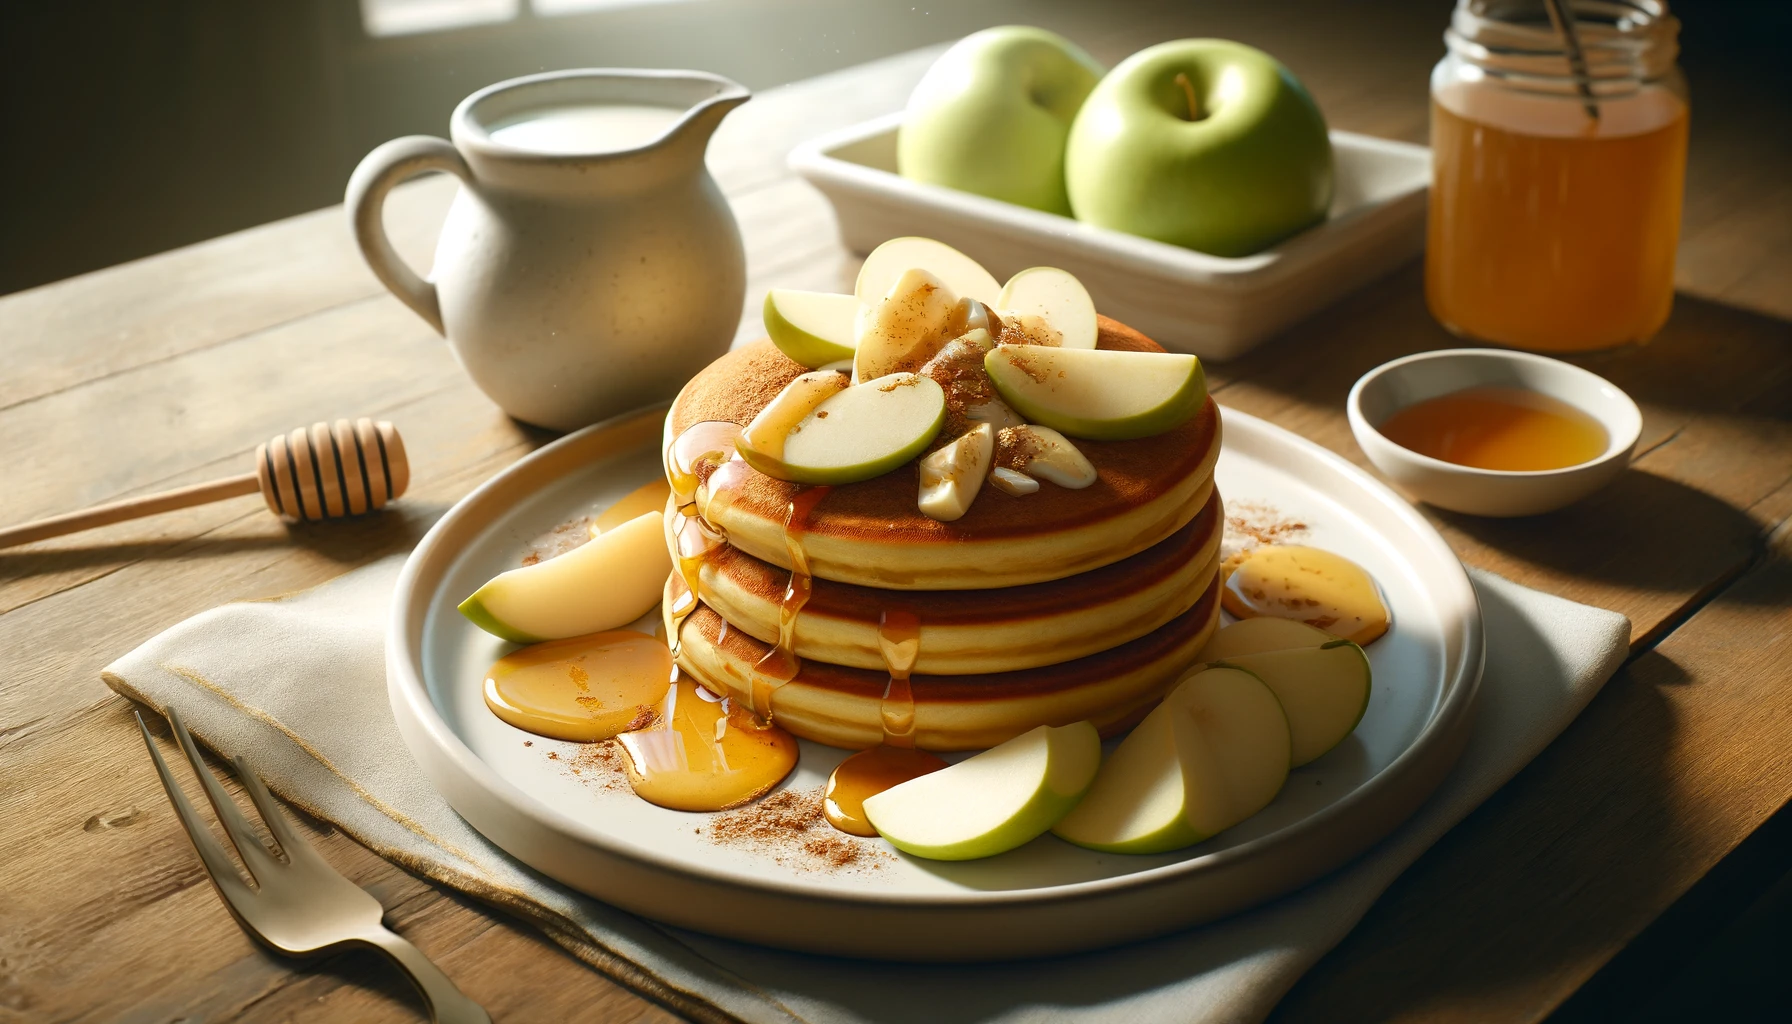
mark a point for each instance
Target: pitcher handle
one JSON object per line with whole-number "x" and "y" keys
{"x": 379, "y": 171}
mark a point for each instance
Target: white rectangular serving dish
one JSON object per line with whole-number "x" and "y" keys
{"x": 1213, "y": 306}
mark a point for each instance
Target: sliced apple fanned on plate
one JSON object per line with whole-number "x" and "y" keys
{"x": 605, "y": 583}
{"x": 991, "y": 802}
{"x": 1211, "y": 755}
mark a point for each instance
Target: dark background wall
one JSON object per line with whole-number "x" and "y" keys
{"x": 135, "y": 126}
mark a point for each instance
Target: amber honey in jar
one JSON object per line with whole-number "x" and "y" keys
{"x": 1555, "y": 214}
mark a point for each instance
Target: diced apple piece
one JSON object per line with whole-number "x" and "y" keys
{"x": 1324, "y": 690}
{"x": 1044, "y": 453}
{"x": 813, "y": 328}
{"x": 904, "y": 329}
{"x": 1010, "y": 482}
{"x": 649, "y": 497}
{"x": 605, "y": 583}
{"x": 1099, "y": 393}
{"x": 991, "y": 802}
{"x": 961, "y": 275}
{"x": 1056, "y": 297}
{"x": 952, "y": 476}
{"x": 763, "y": 439}
{"x": 970, "y": 397}
{"x": 864, "y": 431}
{"x": 1254, "y": 636}
{"x": 1211, "y": 755}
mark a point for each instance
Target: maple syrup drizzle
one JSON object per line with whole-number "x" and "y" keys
{"x": 585, "y": 689}
{"x": 709, "y": 443}
{"x": 1310, "y": 585}
{"x": 899, "y": 640}
{"x": 866, "y": 774}
{"x": 702, "y": 753}
{"x": 895, "y": 760}
{"x": 781, "y": 664}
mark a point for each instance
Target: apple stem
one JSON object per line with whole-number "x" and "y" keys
{"x": 1188, "y": 90}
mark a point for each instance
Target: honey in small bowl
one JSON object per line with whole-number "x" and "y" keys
{"x": 1499, "y": 428}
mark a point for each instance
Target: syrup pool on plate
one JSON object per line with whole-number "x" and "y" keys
{"x": 866, "y": 774}
{"x": 1499, "y": 428}
{"x": 704, "y": 754}
{"x": 584, "y": 689}
{"x": 1310, "y": 585}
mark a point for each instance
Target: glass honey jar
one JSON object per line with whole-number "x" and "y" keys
{"x": 1555, "y": 196}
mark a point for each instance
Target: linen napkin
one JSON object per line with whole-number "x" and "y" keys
{"x": 298, "y": 683}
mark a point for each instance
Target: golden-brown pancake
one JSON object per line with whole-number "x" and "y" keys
{"x": 840, "y": 706}
{"x": 978, "y": 631}
{"x": 871, "y": 534}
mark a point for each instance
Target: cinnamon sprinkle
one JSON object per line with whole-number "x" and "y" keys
{"x": 1251, "y": 524}
{"x": 559, "y": 540}
{"x": 788, "y": 826}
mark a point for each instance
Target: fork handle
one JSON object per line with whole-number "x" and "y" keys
{"x": 447, "y": 1004}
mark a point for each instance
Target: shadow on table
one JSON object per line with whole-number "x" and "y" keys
{"x": 347, "y": 541}
{"x": 1527, "y": 847}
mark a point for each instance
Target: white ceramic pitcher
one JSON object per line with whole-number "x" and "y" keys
{"x": 571, "y": 285}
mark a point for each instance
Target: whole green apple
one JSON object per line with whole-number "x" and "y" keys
{"x": 1203, "y": 143}
{"x": 992, "y": 115}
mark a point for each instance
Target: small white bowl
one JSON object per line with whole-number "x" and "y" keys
{"x": 1395, "y": 385}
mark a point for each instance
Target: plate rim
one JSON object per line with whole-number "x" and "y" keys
{"x": 408, "y": 692}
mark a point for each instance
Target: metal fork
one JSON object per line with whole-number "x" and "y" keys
{"x": 300, "y": 905}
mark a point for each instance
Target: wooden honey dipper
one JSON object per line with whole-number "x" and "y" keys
{"x": 325, "y": 471}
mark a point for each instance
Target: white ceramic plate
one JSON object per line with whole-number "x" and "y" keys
{"x": 1044, "y": 898}
{"x": 1213, "y": 306}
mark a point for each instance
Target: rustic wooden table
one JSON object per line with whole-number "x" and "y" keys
{"x": 168, "y": 371}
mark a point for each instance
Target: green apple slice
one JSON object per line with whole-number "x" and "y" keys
{"x": 864, "y": 431}
{"x": 1323, "y": 689}
{"x": 963, "y": 276}
{"x": 1211, "y": 755}
{"x": 1098, "y": 394}
{"x": 605, "y": 583}
{"x": 994, "y": 801}
{"x": 1266, "y": 633}
{"x": 765, "y": 436}
{"x": 1056, "y": 297}
{"x": 952, "y": 476}
{"x": 904, "y": 328}
{"x": 813, "y": 328}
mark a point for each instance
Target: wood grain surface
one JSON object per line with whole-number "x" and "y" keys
{"x": 169, "y": 371}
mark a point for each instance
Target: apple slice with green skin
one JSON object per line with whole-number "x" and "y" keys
{"x": 605, "y": 583}
{"x": 963, "y": 277}
{"x": 1056, "y": 297}
{"x": 1265, "y": 633}
{"x": 905, "y": 328}
{"x": 1211, "y": 755}
{"x": 866, "y": 430}
{"x": 991, "y": 802}
{"x": 813, "y": 328}
{"x": 1099, "y": 394}
{"x": 765, "y": 436}
{"x": 1323, "y": 689}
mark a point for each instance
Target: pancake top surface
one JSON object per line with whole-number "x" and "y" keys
{"x": 1129, "y": 473}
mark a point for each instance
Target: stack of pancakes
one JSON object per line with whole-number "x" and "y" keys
{"x": 1048, "y": 608}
